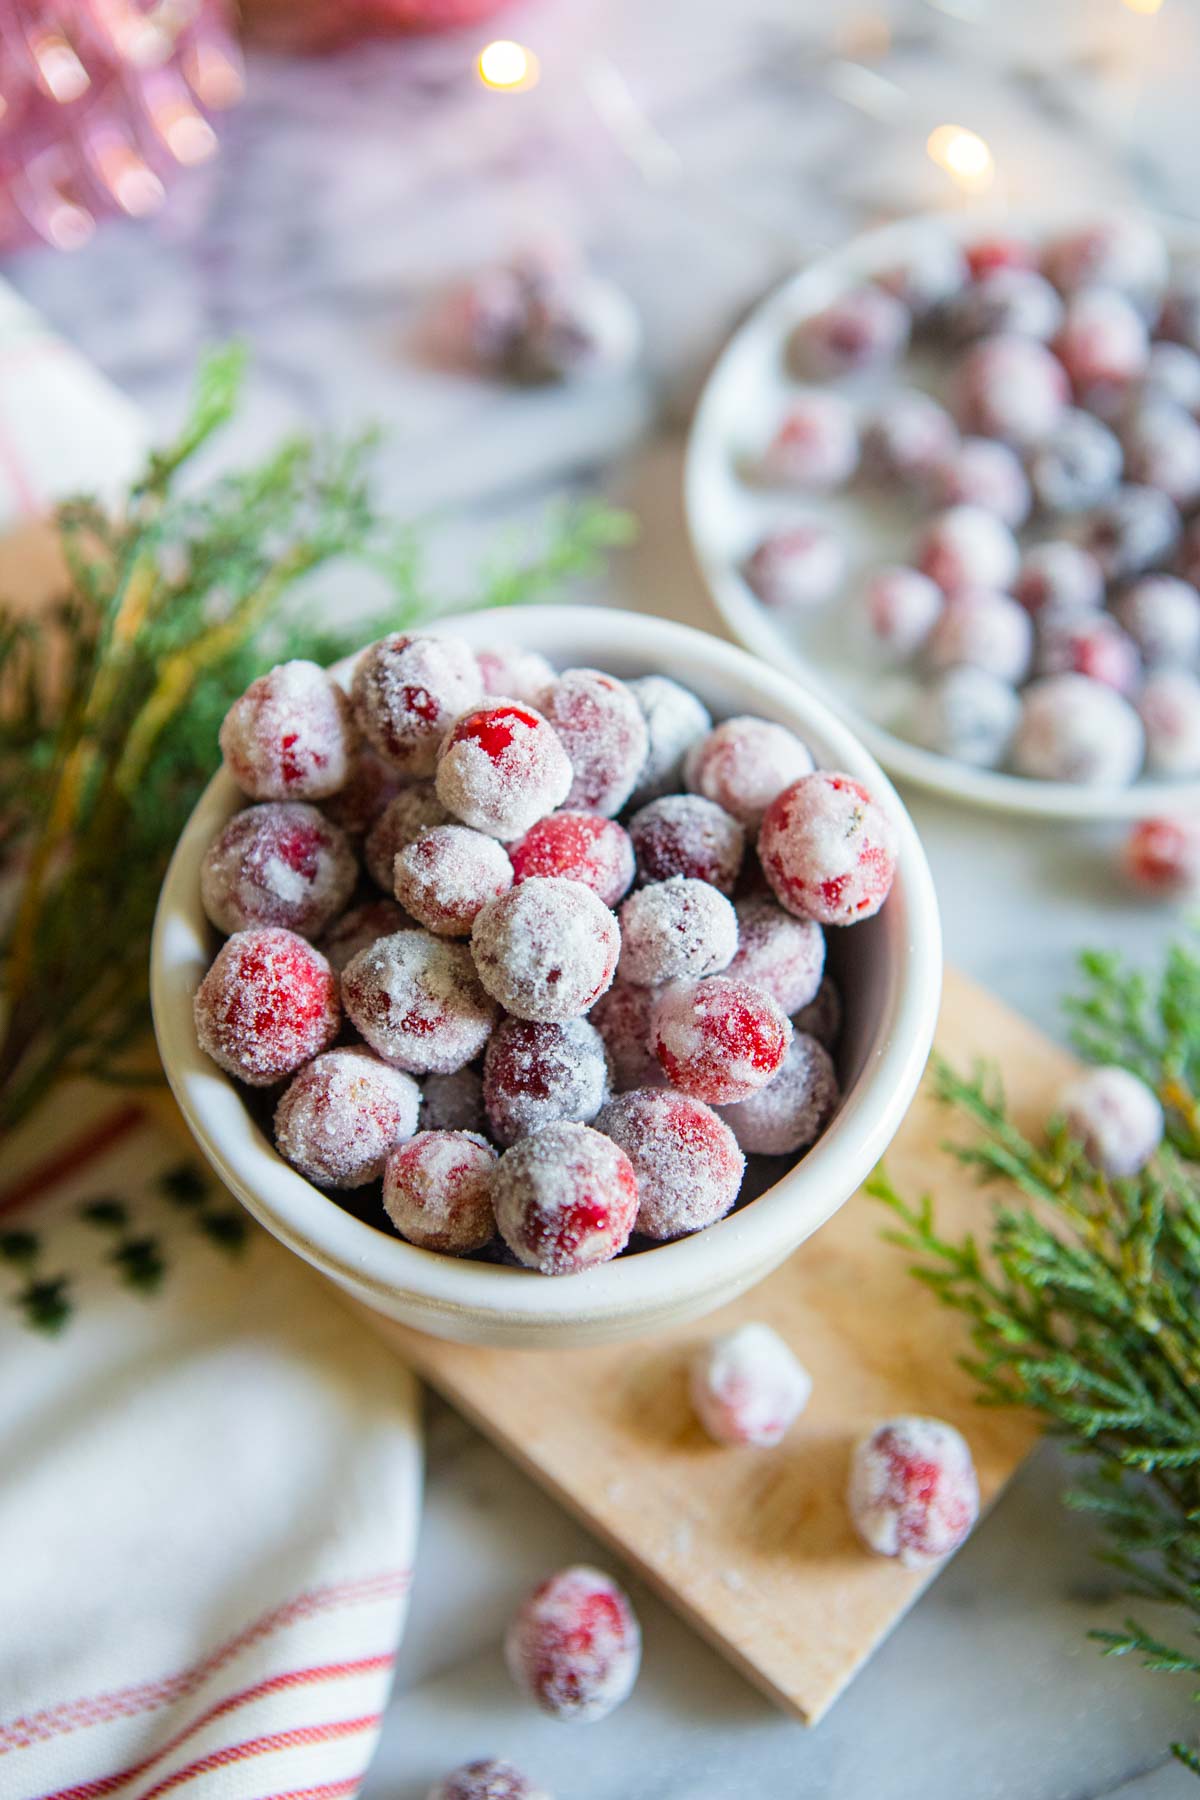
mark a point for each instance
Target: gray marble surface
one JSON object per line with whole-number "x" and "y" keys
{"x": 347, "y": 191}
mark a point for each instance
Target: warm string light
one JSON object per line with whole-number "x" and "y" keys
{"x": 508, "y": 66}
{"x": 1147, "y": 8}
{"x": 964, "y": 156}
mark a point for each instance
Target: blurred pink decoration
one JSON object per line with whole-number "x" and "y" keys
{"x": 101, "y": 103}
{"x": 326, "y": 24}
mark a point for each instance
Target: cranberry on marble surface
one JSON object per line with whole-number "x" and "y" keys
{"x": 574, "y": 1646}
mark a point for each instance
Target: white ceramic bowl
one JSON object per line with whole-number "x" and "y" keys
{"x": 891, "y": 1006}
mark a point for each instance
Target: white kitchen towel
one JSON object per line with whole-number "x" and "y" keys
{"x": 209, "y": 1485}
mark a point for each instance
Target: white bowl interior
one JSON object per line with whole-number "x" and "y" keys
{"x": 890, "y": 968}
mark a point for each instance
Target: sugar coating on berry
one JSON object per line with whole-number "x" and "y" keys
{"x": 913, "y": 1493}
{"x": 488, "y": 1778}
{"x": 778, "y": 952}
{"x": 268, "y": 1004}
{"x": 984, "y": 472}
{"x": 418, "y": 1001}
{"x": 747, "y": 1387}
{"x": 408, "y": 690}
{"x": 822, "y": 1018}
{"x": 828, "y": 849}
{"x": 445, "y": 876}
{"x": 685, "y": 834}
{"x": 622, "y": 1017}
{"x": 454, "y": 1102}
{"x": 413, "y": 810}
{"x": 1091, "y": 644}
{"x": 501, "y": 768}
{"x": 1077, "y": 466}
{"x": 512, "y": 673}
{"x": 743, "y": 764}
{"x": 282, "y": 863}
{"x": 901, "y": 607}
{"x": 1103, "y": 342}
{"x": 1162, "y": 450}
{"x": 798, "y": 569}
{"x": 907, "y": 437}
{"x": 369, "y": 786}
{"x": 437, "y": 1191}
{"x": 579, "y": 847}
{"x": 604, "y": 735}
{"x": 1059, "y": 576}
{"x": 926, "y": 275}
{"x": 675, "y": 719}
{"x": 547, "y": 949}
{"x": 1162, "y": 857}
{"x": 1115, "y": 1116}
{"x": 1008, "y": 299}
{"x": 359, "y": 928}
{"x": 676, "y": 929}
{"x": 685, "y": 1157}
{"x": 719, "y": 1040}
{"x": 986, "y": 630}
{"x": 290, "y": 736}
{"x": 566, "y": 1199}
{"x": 1075, "y": 729}
{"x": 792, "y": 1111}
{"x": 574, "y": 1646}
{"x": 1169, "y": 708}
{"x": 967, "y": 547}
{"x": 342, "y": 1115}
{"x": 863, "y": 328}
{"x": 1136, "y": 530}
{"x": 967, "y": 714}
{"x": 1012, "y": 388}
{"x": 536, "y": 1074}
{"x": 816, "y": 443}
{"x": 1172, "y": 374}
{"x": 1123, "y": 252}
{"x": 1161, "y": 613}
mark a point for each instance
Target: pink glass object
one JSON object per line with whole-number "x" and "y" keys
{"x": 101, "y": 103}
{"x": 316, "y": 25}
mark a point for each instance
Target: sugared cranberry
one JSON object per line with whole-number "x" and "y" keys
{"x": 342, "y": 1115}
{"x": 901, "y": 606}
{"x": 1012, "y": 388}
{"x": 1124, "y": 252}
{"x": 1136, "y": 530}
{"x": 688, "y": 1166}
{"x": 277, "y": 864}
{"x": 486, "y": 1779}
{"x": 747, "y": 1387}
{"x": 1162, "y": 450}
{"x": 675, "y": 719}
{"x": 547, "y": 949}
{"x": 502, "y": 768}
{"x": 815, "y": 444}
{"x": 797, "y": 569}
{"x": 369, "y": 786}
{"x": 408, "y": 690}
{"x": 535, "y": 1074}
{"x": 908, "y": 437}
{"x": 577, "y": 327}
{"x": 454, "y": 1102}
{"x": 1161, "y": 613}
{"x": 444, "y": 877}
{"x": 827, "y": 849}
{"x": 986, "y": 630}
{"x": 1078, "y": 466}
{"x": 622, "y": 1017}
{"x": 414, "y": 810}
{"x": 966, "y": 547}
{"x": 417, "y": 1000}
{"x": 1103, "y": 346}
{"x": 742, "y": 764}
{"x": 987, "y": 254}
{"x": 984, "y": 472}
{"x": 511, "y": 672}
{"x": 1171, "y": 376}
{"x": 565, "y": 1199}
{"x": 437, "y": 1191}
{"x": 579, "y": 847}
{"x": 1011, "y": 300}
{"x": 864, "y": 328}
{"x": 1180, "y": 317}
{"x": 574, "y": 1646}
{"x": 1169, "y": 706}
{"x": 1075, "y": 729}
{"x": 268, "y": 1004}
{"x": 1162, "y": 857}
{"x": 823, "y": 1018}
{"x": 604, "y": 735}
{"x": 675, "y": 929}
{"x": 1115, "y": 1117}
{"x": 358, "y": 929}
{"x": 966, "y": 714}
{"x": 778, "y": 952}
{"x": 1091, "y": 644}
{"x": 1187, "y": 561}
{"x": 719, "y": 1040}
{"x": 926, "y": 275}
{"x": 685, "y": 834}
{"x": 913, "y": 1491}
{"x": 290, "y": 736}
{"x": 792, "y": 1111}
{"x": 1057, "y": 576}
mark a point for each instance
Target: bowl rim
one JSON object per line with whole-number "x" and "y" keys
{"x": 749, "y": 621}
{"x": 383, "y": 1268}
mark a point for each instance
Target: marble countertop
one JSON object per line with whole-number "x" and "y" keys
{"x": 699, "y": 149}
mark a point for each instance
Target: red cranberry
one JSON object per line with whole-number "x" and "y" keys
{"x": 268, "y": 1004}
{"x": 574, "y": 1646}
{"x": 446, "y": 876}
{"x": 565, "y": 1199}
{"x": 778, "y": 952}
{"x": 913, "y": 1491}
{"x": 408, "y": 690}
{"x": 342, "y": 1115}
{"x": 437, "y": 1191}
{"x": 547, "y": 949}
{"x": 862, "y": 329}
{"x": 535, "y": 1074}
{"x": 290, "y": 736}
{"x": 1162, "y": 857}
{"x": 828, "y": 849}
{"x": 687, "y": 1163}
{"x": 413, "y": 810}
{"x": 798, "y": 569}
{"x": 676, "y": 929}
{"x": 604, "y": 734}
{"x": 718, "y": 1040}
{"x": 792, "y": 1111}
{"x": 358, "y": 929}
{"x": 1012, "y": 388}
{"x": 278, "y": 864}
{"x": 579, "y": 847}
{"x": 684, "y": 834}
{"x": 743, "y": 763}
{"x": 622, "y": 1017}
{"x": 502, "y": 768}
{"x": 747, "y": 1387}
{"x": 816, "y": 444}
{"x": 417, "y": 1000}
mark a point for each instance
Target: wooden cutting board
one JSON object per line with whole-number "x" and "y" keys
{"x": 754, "y": 1547}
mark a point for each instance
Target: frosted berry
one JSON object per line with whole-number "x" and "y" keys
{"x": 580, "y": 847}
{"x": 675, "y": 719}
{"x": 822, "y": 1019}
{"x": 535, "y": 1074}
{"x": 747, "y": 1387}
{"x": 676, "y": 929}
{"x": 622, "y": 1017}
{"x": 1103, "y": 345}
{"x": 1187, "y": 561}
{"x": 547, "y": 949}
{"x": 987, "y": 254}
{"x": 342, "y": 1115}
{"x": 359, "y": 928}
{"x": 437, "y": 1191}
{"x": 454, "y": 1102}
{"x": 742, "y": 764}
{"x": 687, "y": 1163}
{"x": 1012, "y": 388}
{"x": 798, "y": 569}
{"x": 574, "y": 1646}
{"x": 827, "y": 849}
{"x": 1075, "y": 729}
{"x": 577, "y": 327}
{"x": 1078, "y": 466}
{"x": 1169, "y": 706}
{"x": 369, "y": 786}
{"x": 718, "y": 1040}
{"x": 908, "y": 437}
{"x": 864, "y": 328}
{"x": 965, "y": 714}
{"x": 565, "y": 1199}
{"x": 966, "y": 547}
{"x": 414, "y": 810}
{"x": 268, "y": 1004}
{"x": 445, "y": 876}
{"x": 986, "y": 630}
{"x": 1162, "y": 450}
{"x": 277, "y": 864}
{"x": 417, "y": 1000}
{"x": 290, "y": 736}
{"x": 1091, "y": 644}
{"x": 1123, "y": 252}
{"x": 792, "y": 1111}
{"x": 485, "y": 1779}
{"x": 1179, "y": 320}
{"x": 1172, "y": 375}
{"x": 1007, "y": 300}
{"x": 1136, "y": 530}
{"x": 685, "y": 834}
{"x": 816, "y": 443}
{"x": 926, "y": 275}
{"x": 1115, "y": 1117}
{"x": 502, "y": 768}
{"x": 902, "y": 606}
{"x": 913, "y": 1492}
{"x": 408, "y": 690}
{"x": 511, "y": 672}
{"x": 1058, "y": 577}
{"x": 984, "y": 472}
{"x": 1161, "y": 613}
{"x": 603, "y": 733}
{"x": 1162, "y": 857}
{"x": 778, "y": 952}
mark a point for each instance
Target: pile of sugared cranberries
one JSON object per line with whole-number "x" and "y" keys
{"x": 557, "y": 1033}
{"x": 1074, "y": 420}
